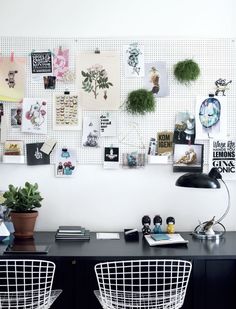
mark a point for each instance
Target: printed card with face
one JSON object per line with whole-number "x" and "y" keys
{"x": 35, "y": 156}
{"x": 111, "y": 157}
{"x": 34, "y": 116}
{"x": 108, "y": 124}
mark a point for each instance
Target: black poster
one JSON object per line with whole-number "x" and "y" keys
{"x": 35, "y": 156}
{"x": 41, "y": 62}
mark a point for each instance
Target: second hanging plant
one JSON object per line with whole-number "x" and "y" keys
{"x": 140, "y": 101}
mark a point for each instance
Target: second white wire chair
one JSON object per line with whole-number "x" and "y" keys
{"x": 149, "y": 284}
{"x": 27, "y": 284}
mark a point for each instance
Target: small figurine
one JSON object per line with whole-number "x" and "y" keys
{"x": 170, "y": 221}
{"x": 221, "y": 86}
{"x": 207, "y": 227}
{"x": 157, "y": 221}
{"x": 146, "y": 221}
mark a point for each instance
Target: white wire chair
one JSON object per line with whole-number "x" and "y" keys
{"x": 149, "y": 284}
{"x": 27, "y": 284}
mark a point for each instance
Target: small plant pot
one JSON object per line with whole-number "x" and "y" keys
{"x": 24, "y": 224}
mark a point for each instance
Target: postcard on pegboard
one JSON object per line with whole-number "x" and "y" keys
{"x": 12, "y": 79}
{"x": 90, "y": 137}
{"x": 41, "y": 64}
{"x": 60, "y": 62}
{"x": 134, "y": 60}
{"x": 156, "y": 79}
{"x": 35, "y": 156}
{"x": 108, "y": 125}
{"x": 65, "y": 162}
{"x": 99, "y": 80}
{"x": 67, "y": 114}
{"x": 111, "y": 157}
{"x": 34, "y": 116}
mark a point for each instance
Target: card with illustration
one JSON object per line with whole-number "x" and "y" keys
{"x": 67, "y": 114}
{"x": 12, "y": 79}
{"x": 211, "y": 117}
{"x": 35, "y": 156}
{"x": 156, "y": 79}
{"x": 90, "y": 136}
{"x": 34, "y": 116}
{"x": 108, "y": 124}
{"x": 14, "y": 148}
{"x": 134, "y": 60}
{"x": 60, "y": 62}
{"x": 99, "y": 80}
{"x": 65, "y": 162}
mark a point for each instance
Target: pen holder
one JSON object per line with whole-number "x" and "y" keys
{"x": 132, "y": 235}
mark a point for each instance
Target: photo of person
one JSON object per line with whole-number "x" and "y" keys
{"x": 188, "y": 158}
{"x": 184, "y": 130}
{"x": 16, "y": 118}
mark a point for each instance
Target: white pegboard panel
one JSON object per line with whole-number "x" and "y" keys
{"x": 216, "y": 58}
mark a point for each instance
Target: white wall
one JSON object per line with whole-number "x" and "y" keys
{"x": 112, "y": 200}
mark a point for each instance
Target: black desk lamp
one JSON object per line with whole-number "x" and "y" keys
{"x": 210, "y": 181}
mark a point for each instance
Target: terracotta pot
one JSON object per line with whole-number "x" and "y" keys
{"x": 24, "y": 223}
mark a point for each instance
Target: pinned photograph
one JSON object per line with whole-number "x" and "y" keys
{"x": 34, "y": 116}
{"x": 111, "y": 157}
{"x": 49, "y": 82}
{"x": 99, "y": 80}
{"x": 184, "y": 130}
{"x": 16, "y": 118}
{"x": 35, "y": 156}
{"x": 211, "y": 117}
{"x": 156, "y": 79}
{"x": 12, "y": 79}
{"x": 188, "y": 158}
{"x": 65, "y": 162}
{"x": 14, "y": 148}
{"x": 90, "y": 136}
{"x": 222, "y": 155}
{"x": 134, "y": 60}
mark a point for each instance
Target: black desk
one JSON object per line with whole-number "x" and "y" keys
{"x": 213, "y": 279}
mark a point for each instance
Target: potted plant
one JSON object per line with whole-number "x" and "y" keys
{"x": 186, "y": 71}
{"x": 22, "y": 202}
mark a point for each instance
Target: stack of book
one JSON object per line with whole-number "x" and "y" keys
{"x": 72, "y": 233}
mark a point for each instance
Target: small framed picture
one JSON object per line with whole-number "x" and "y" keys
{"x": 111, "y": 157}
{"x": 188, "y": 158}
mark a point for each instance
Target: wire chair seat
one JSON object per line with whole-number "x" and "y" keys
{"x": 145, "y": 284}
{"x": 32, "y": 300}
{"x": 27, "y": 284}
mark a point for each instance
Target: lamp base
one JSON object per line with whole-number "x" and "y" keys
{"x": 205, "y": 236}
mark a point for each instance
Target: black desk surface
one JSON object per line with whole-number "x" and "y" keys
{"x": 117, "y": 249}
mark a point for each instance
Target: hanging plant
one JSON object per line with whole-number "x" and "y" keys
{"x": 186, "y": 71}
{"x": 140, "y": 101}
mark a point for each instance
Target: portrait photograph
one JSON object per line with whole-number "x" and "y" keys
{"x": 188, "y": 158}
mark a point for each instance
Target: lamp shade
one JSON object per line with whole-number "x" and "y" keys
{"x": 198, "y": 180}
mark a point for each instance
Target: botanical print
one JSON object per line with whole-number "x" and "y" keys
{"x": 184, "y": 130}
{"x": 156, "y": 78}
{"x": 188, "y": 158}
{"x": 12, "y": 79}
{"x": 34, "y": 116}
{"x": 108, "y": 124}
{"x": 222, "y": 156}
{"x": 65, "y": 162}
{"x": 66, "y": 112}
{"x": 99, "y": 81}
{"x": 90, "y": 136}
{"x": 60, "y": 62}
{"x": 111, "y": 157}
{"x": 134, "y": 60}
{"x": 211, "y": 117}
